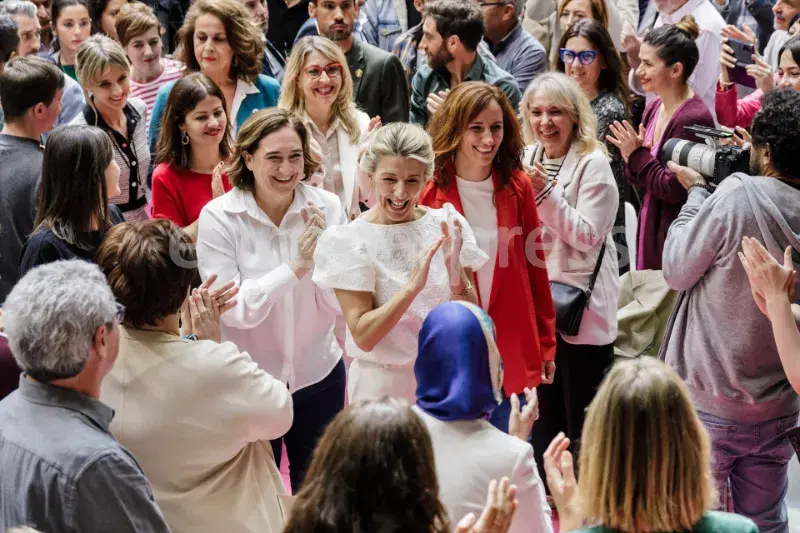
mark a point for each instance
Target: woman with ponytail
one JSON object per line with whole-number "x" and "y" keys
{"x": 668, "y": 56}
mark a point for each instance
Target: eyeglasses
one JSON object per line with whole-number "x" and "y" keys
{"x": 487, "y": 4}
{"x": 333, "y": 70}
{"x": 586, "y": 57}
{"x": 120, "y": 314}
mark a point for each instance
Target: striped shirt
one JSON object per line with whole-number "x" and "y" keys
{"x": 147, "y": 91}
{"x": 552, "y": 166}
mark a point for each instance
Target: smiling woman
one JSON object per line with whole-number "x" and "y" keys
{"x": 103, "y": 71}
{"x": 262, "y": 234}
{"x": 477, "y": 141}
{"x": 387, "y": 267}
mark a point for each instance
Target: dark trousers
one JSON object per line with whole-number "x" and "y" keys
{"x": 314, "y": 407}
{"x": 562, "y": 405}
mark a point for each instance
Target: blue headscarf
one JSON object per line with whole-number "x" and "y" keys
{"x": 458, "y": 368}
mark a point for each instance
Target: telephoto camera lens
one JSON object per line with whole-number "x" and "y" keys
{"x": 697, "y": 156}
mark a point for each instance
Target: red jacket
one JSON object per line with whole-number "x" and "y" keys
{"x": 520, "y": 304}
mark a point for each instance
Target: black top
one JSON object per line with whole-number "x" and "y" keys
{"x": 285, "y": 22}
{"x": 44, "y": 246}
{"x": 414, "y": 16}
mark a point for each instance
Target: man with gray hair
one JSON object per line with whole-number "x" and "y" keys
{"x": 61, "y": 468}
{"x": 515, "y": 50}
{"x": 29, "y": 29}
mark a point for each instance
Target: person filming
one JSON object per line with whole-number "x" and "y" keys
{"x": 729, "y": 358}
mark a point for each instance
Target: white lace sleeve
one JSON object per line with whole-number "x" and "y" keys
{"x": 472, "y": 256}
{"x": 341, "y": 261}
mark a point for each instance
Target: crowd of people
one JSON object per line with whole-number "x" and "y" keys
{"x": 392, "y": 245}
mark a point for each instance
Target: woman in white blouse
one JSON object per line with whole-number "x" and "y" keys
{"x": 576, "y": 196}
{"x": 317, "y": 87}
{"x": 262, "y": 234}
{"x": 394, "y": 264}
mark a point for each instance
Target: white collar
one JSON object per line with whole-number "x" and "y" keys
{"x": 243, "y": 88}
{"x": 241, "y": 201}
{"x": 686, "y": 9}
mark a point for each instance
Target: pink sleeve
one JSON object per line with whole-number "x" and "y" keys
{"x": 732, "y": 112}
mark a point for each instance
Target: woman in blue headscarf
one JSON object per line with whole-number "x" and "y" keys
{"x": 459, "y": 383}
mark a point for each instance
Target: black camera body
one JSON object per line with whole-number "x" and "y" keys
{"x": 714, "y": 160}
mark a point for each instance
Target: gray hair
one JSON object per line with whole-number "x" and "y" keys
{"x": 519, "y": 7}
{"x": 52, "y": 314}
{"x": 399, "y": 139}
{"x": 18, "y": 7}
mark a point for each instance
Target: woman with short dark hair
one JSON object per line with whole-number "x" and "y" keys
{"x": 73, "y": 213}
{"x": 197, "y": 414}
{"x": 192, "y": 152}
{"x": 263, "y": 234}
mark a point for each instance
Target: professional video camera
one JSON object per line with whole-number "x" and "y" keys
{"x": 713, "y": 160}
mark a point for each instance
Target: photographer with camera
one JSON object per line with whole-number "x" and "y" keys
{"x": 717, "y": 339}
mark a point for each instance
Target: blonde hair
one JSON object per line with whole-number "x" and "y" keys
{"x": 23, "y": 529}
{"x": 292, "y": 97}
{"x": 567, "y": 95}
{"x": 399, "y": 139}
{"x": 645, "y": 462}
{"x": 95, "y": 55}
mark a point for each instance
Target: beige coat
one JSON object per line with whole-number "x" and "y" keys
{"x": 198, "y": 416}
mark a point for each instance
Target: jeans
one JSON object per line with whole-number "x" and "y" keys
{"x": 754, "y": 457}
{"x": 314, "y": 407}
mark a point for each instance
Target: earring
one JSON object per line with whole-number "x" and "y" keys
{"x": 184, "y": 138}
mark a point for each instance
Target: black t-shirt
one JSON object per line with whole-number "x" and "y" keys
{"x": 414, "y": 16}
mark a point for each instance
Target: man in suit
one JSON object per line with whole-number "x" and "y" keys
{"x": 379, "y": 84}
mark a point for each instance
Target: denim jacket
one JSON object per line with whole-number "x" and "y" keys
{"x": 383, "y": 22}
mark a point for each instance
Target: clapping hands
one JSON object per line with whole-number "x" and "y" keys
{"x": 203, "y": 308}
{"x": 501, "y": 504}
{"x": 315, "y": 224}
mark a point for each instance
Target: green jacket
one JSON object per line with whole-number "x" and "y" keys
{"x": 427, "y": 81}
{"x": 712, "y": 522}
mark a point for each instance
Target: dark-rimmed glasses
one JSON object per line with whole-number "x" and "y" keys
{"x": 586, "y": 57}
{"x": 333, "y": 70}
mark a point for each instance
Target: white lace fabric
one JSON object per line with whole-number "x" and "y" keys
{"x": 376, "y": 258}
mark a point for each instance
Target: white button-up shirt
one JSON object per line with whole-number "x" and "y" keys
{"x": 284, "y": 323}
{"x": 704, "y": 78}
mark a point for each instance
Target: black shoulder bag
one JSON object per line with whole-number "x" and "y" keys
{"x": 570, "y": 302}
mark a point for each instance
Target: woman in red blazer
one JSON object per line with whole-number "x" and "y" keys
{"x": 478, "y": 144}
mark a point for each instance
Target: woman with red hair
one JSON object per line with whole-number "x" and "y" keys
{"x": 477, "y": 143}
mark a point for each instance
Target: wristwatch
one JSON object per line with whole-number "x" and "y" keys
{"x": 468, "y": 286}
{"x": 701, "y": 185}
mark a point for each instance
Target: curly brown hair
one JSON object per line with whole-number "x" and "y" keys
{"x": 241, "y": 31}
{"x": 452, "y": 119}
{"x": 150, "y": 266}
{"x": 255, "y": 128}
{"x": 373, "y": 470}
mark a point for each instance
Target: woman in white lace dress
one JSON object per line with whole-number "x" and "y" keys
{"x": 396, "y": 262}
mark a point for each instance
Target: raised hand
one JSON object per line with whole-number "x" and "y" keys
{"x": 419, "y": 275}
{"x": 451, "y": 246}
{"x": 434, "y": 101}
{"x": 538, "y": 175}
{"x": 624, "y": 137}
{"x": 520, "y": 422}
{"x": 762, "y": 73}
{"x": 768, "y": 278}
{"x": 560, "y": 472}
{"x": 501, "y": 504}
{"x": 217, "y": 187}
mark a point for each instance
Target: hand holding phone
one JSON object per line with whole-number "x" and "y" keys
{"x": 742, "y": 54}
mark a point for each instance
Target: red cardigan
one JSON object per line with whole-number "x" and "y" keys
{"x": 520, "y": 304}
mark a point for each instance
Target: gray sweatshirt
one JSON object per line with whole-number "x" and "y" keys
{"x": 717, "y": 339}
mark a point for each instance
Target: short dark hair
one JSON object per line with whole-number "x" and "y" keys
{"x": 255, "y": 128}
{"x": 461, "y": 18}
{"x": 150, "y": 266}
{"x": 777, "y": 126}
{"x": 9, "y": 38}
{"x": 183, "y": 98}
{"x": 70, "y": 201}
{"x": 675, "y": 43}
{"x": 27, "y": 81}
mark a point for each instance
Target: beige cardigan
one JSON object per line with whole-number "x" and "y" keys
{"x": 198, "y": 416}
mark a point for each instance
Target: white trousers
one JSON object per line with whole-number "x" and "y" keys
{"x": 373, "y": 381}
